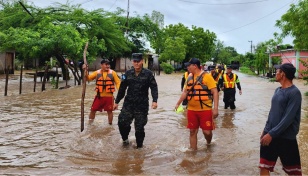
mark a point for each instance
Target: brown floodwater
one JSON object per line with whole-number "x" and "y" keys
{"x": 40, "y": 133}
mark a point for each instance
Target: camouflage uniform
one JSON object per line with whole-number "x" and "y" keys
{"x": 136, "y": 102}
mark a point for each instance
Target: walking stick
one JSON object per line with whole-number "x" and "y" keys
{"x": 84, "y": 86}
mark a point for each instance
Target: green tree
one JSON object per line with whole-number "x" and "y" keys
{"x": 261, "y": 58}
{"x": 174, "y": 50}
{"x": 294, "y": 23}
{"x": 199, "y": 43}
{"x": 60, "y": 31}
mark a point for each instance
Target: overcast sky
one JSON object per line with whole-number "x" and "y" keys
{"x": 235, "y": 22}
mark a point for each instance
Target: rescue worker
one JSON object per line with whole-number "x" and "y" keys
{"x": 106, "y": 82}
{"x": 137, "y": 81}
{"x": 185, "y": 76}
{"x": 228, "y": 86}
{"x": 200, "y": 90}
{"x": 220, "y": 70}
{"x": 217, "y": 76}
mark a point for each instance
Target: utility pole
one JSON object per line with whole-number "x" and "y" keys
{"x": 250, "y": 46}
{"x": 126, "y": 32}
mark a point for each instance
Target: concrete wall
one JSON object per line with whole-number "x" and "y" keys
{"x": 294, "y": 57}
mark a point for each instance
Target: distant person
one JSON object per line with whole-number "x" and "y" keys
{"x": 184, "y": 78}
{"x": 220, "y": 70}
{"x": 200, "y": 90}
{"x": 229, "y": 81}
{"x": 216, "y": 76}
{"x": 136, "y": 85}
{"x": 107, "y": 81}
{"x": 205, "y": 67}
{"x": 278, "y": 138}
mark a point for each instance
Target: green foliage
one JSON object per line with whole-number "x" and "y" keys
{"x": 52, "y": 63}
{"x": 198, "y": 43}
{"x": 174, "y": 50}
{"x": 272, "y": 80}
{"x": 306, "y": 93}
{"x": 53, "y": 82}
{"x": 168, "y": 68}
{"x": 294, "y": 23}
{"x": 246, "y": 70}
{"x": 225, "y": 54}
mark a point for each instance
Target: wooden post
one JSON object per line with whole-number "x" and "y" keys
{"x": 66, "y": 75}
{"x": 84, "y": 85}
{"x": 20, "y": 79}
{"x": 6, "y": 80}
{"x": 44, "y": 79}
{"x": 35, "y": 76}
{"x": 57, "y": 78}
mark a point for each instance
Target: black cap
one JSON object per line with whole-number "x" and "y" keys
{"x": 229, "y": 66}
{"x": 211, "y": 67}
{"x": 220, "y": 66}
{"x": 288, "y": 69}
{"x": 105, "y": 61}
{"x": 193, "y": 61}
{"x": 137, "y": 56}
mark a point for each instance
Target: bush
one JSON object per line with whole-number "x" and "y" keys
{"x": 168, "y": 68}
{"x": 246, "y": 70}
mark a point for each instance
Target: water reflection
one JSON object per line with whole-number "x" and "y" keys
{"x": 129, "y": 162}
{"x": 40, "y": 135}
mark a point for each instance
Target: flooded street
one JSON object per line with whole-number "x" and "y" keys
{"x": 40, "y": 134}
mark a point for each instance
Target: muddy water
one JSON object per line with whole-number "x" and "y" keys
{"x": 40, "y": 134}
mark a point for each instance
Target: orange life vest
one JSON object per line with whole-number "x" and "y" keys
{"x": 105, "y": 84}
{"x": 199, "y": 91}
{"x": 229, "y": 83}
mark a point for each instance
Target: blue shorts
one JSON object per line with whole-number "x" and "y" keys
{"x": 286, "y": 150}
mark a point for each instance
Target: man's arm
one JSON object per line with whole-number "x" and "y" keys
{"x": 116, "y": 80}
{"x": 182, "y": 98}
{"x": 238, "y": 85}
{"x": 214, "y": 91}
{"x": 121, "y": 92}
{"x": 154, "y": 88}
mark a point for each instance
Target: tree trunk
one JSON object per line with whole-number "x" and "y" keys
{"x": 74, "y": 69}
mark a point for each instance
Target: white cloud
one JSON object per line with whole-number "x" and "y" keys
{"x": 235, "y": 23}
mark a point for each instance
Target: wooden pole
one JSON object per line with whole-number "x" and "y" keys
{"x": 6, "y": 81}
{"x": 84, "y": 86}
{"x": 35, "y": 76}
{"x": 57, "y": 80}
{"x": 20, "y": 79}
{"x": 44, "y": 79}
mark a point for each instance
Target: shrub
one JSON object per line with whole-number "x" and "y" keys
{"x": 246, "y": 70}
{"x": 168, "y": 68}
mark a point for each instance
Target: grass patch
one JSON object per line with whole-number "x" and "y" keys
{"x": 306, "y": 93}
{"x": 246, "y": 70}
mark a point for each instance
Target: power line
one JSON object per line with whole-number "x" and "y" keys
{"x": 113, "y": 4}
{"x": 86, "y": 2}
{"x": 257, "y": 19}
{"x": 235, "y": 3}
